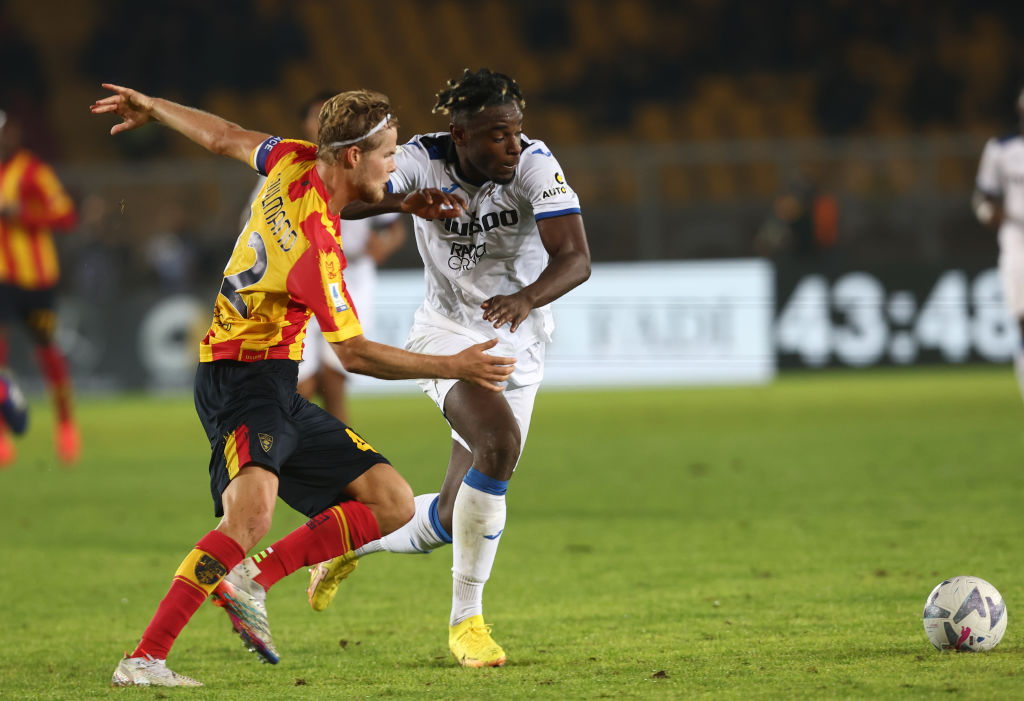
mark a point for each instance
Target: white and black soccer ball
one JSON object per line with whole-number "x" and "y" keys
{"x": 966, "y": 614}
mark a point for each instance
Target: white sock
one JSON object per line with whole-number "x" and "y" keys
{"x": 1018, "y": 368}
{"x": 478, "y": 519}
{"x": 421, "y": 534}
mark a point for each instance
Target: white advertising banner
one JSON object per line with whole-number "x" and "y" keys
{"x": 641, "y": 324}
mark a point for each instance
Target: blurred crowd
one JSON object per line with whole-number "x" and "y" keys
{"x": 595, "y": 72}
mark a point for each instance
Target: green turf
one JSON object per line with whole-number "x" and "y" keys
{"x": 769, "y": 542}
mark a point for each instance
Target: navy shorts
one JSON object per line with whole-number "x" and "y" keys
{"x": 33, "y": 308}
{"x": 253, "y": 416}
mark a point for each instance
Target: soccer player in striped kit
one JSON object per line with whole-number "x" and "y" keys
{"x": 33, "y": 204}
{"x": 266, "y": 440}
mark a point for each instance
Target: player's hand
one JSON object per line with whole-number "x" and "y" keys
{"x": 134, "y": 108}
{"x": 997, "y": 218}
{"x": 433, "y": 203}
{"x": 479, "y": 368}
{"x": 507, "y": 309}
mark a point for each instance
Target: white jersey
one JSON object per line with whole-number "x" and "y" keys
{"x": 1001, "y": 175}
{"x": 494, "y": 247}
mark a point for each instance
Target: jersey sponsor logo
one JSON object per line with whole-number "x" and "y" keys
{"x": 465, "y": 256}
{"x": 330, "y": 273}
{"x": 451, "y": 188}
{"x": 542, "y": 152}
{"x": 275, "y": 217}
{"x": 559, "y": 189}
{"x": 209, "y": 570}
{"x": 491, "y": 220}
{"x": 266, "y": 442}
{"x": 337, "y": 298}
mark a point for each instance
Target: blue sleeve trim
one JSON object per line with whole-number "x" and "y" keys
{"x": 262, "y": 152}
{"x": 557, "y": 213}
{"x": 435, "y": 522}
{"x": 488, "y": 485}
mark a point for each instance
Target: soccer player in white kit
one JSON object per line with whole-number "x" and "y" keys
{"x": 518, "y": 245}
{"x": 999, "y": 204}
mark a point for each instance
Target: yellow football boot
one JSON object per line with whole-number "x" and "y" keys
{"x": 325, "y": 577}
{"x": 471, "y": 643}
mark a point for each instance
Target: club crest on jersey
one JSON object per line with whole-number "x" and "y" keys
{"x": 266, "y": 442}
{"x": 330, "y": 265}
{"x": 330, "y": 272}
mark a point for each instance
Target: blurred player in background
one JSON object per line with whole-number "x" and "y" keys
{"x": 367, "y": 243}
{"x": 519, "y": 246}
{"x": 999, "y": 204}
{"x": 266, "y": 440}
{"x": 33, "y": 204}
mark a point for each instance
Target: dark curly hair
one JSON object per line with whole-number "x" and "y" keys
{"x": 475, "y": 92}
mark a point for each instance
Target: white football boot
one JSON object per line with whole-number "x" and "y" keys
{"x": 148, "y": 671}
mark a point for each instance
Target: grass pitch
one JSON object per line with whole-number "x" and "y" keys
{"x": 769, "y": 542}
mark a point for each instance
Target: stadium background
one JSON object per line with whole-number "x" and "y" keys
{"x": 689, "y": 129}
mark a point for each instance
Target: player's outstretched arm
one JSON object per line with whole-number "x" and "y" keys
{"x": 429, "y": 203}
{"x": 568, "y": 265}
{"x": 208, "y": 130}
{"x": 474, "y": 365}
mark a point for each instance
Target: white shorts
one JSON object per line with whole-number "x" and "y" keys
{"x": 1011, "y": 267}
{"x": 361, "y": 283}
{"x": 520, "y": 390}
{"x": 317, "y": 353}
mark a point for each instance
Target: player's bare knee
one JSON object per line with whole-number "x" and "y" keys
{"x": 246, "y": 530}
{"x": 495, "y": 453}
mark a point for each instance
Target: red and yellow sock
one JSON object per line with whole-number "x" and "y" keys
{"x": 197, "y": 576}
{"x": 333, "y": 532}
{"x": 55, "y": 370}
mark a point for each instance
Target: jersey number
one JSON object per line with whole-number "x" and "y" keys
{"x": 233, "y": 283}
{"x": 360, "y": 443}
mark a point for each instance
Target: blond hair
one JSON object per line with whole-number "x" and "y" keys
{"x": 349, "y": 115}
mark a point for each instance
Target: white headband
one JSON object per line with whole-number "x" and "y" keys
{"x": 348, "y": 142}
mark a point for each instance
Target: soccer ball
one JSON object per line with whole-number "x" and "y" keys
{"x": 965, "y": 614}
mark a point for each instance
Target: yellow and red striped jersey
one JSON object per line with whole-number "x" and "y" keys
{"x": 28, "y": 257}
{"x": 286, "y": 265}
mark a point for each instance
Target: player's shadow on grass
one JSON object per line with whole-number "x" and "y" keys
{"x": 448, "y": 662}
